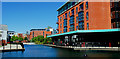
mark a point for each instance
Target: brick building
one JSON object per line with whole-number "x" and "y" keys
{"x": 44, "y": 32}
{"x": 85, "y": 15}
{"x": 87, "y": 24}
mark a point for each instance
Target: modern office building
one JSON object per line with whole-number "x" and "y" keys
{"x": 85, "y": 15}
{"x": 44, "y": 32}
{"x": 85, "y": 23}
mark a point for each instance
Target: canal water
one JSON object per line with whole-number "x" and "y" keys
{"x": 45, "y": 51}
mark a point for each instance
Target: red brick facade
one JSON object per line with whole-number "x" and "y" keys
{"x": 39, "y": 32}
{"x": 99, "y": 16}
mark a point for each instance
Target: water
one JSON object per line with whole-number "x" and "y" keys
{"x": 45, "y": 51}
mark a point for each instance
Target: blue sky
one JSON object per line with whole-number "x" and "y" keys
{"x": 23, "y": 16}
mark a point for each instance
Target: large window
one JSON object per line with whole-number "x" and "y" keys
{"x": 81, "y": 26}
{"x": 65, "y": 29}
{"x": 81, "y": 7}
{"x": 65, "y": 22}
{"x": 72, "y": 20}
{"x": 87, "y": 26}
{"x": 76, "y": 10}
{"x": 71, "y": 27}
{"x": 65, "y": 15}
{"x": 81, "y": 15}
{"x": 60, "y": 25}
{"x": 76, "y": 19}
{"x": 72, "y": 11}
{"x": 60, "y": 19}
{"x": 69, "y": 13}
{"x": 86, "y": 5}
{"x": 87, "y": 15}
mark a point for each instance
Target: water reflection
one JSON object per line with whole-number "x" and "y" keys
{"x": 45, "y": 51}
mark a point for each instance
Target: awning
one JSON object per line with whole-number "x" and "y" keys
{"x": 86, "y": 31}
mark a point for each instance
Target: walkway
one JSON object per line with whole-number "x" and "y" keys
{"x": 86, "y": 48}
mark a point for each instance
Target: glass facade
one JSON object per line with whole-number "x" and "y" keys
{"x": 71, "y": 20}
{"x": 81, "y": 7}
{"x": 81, "y": 26}
{"x": 71, "y": 27}
{"x": 67, "y": 6}
{"x": 65, "y": 15}
{"x": 77, "y": 19}
{"x": 76, "y": 10}
{"x": 81, "y": 15}
{"x": 65, "y": 29}
{"x": 65, "y": 22}
{"x": 87, "y": 26}
{"x": 86, "y": 5}
{"x": 87, "y": 16}
{"x": 72, "y": 11}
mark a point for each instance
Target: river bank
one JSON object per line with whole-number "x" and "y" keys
{"x": 85, "y": 48}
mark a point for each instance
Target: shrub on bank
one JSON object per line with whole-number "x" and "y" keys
{"x": 41, "y": 40}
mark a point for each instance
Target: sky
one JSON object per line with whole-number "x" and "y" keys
{"x": 23, "y": 16}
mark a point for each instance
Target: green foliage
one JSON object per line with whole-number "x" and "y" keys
{"x": 14, "y": 38}
{"x": 20, "y": 38}
{"x": 41, "y": 40}
{"x": 25, "y": 38}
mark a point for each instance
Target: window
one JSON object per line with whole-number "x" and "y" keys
{"x": 69, "y": 13}
{"x": 71, "y": 19}
{"x": 87, "y": 15}
{"x": 43, "y": 33}
{"x": 81, "y": 26}
{"x": 60, "y": 19}
{"x": 33, "y": 34}
{"x": 117, "y": 15}
{"x": 77, "y": 27}
{"x": 72, "y": 11}
{"x": 71, "y": 27}
{"x": 81, "y": 7}
{"x": 76, "y": 19}
{"x": 65, "y": 15}
{"x": 60, "y": 31}
{"x": 65, "y": 22}
{"x": 60, "y": 25}
{"x": 76, "y": 10}
{"x": 65, "y": 29}
{"x": 87, "y": 26}
{"x": 87, "y": 5}
{"x": 81, "y": 16}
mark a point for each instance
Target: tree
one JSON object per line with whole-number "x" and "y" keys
{"x": 40, "y": 38}
{"x": 25, "y": 38}
{"x": 20, "y": 38}
{"x": 13, "y": 38}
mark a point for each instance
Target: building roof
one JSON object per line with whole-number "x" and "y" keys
{"x": 86, "y": 31}
{"x": 37, "y": 29}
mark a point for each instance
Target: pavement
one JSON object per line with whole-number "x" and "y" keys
{"x": 86, "y": 48}
{"x": 29, "y": 43}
